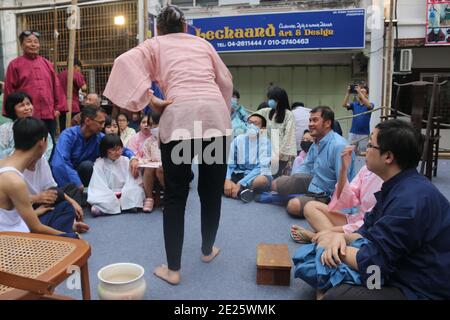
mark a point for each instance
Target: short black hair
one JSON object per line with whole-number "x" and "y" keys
{"x": 26, "y": 33}
{"x": 109, "y": 141}
{"x": 12, "y": 100}
{"x": 403, "y": 140}
{"x": 170, "y": 20}
{"x": 297, "y": 104}
{"x": 27, "y": 132}
{"x": 326, "y": 113}
{"x": 90, "y": 111}
{"x": 155, "y": 117}
{"x": 236, "y": 94}
{"x": 263, "y": 120}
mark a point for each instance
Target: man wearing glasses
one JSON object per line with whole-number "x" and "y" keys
{"x": 408, "y": 229}
{"x": 36, "y": 76}
{"x": 78, "y": 147}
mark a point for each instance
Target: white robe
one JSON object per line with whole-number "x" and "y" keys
{"x": 114, "y": 176}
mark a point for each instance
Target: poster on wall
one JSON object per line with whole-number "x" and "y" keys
{"x": 305, "y": 30}
{"x": 438, "y": 23}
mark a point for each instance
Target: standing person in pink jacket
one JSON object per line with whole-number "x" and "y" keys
{"x": 195, "y": 120}
{"x": 359, "y": 193}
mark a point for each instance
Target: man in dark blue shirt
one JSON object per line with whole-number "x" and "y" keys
{"x": 361, "y": 124}
{"x": 408, "y": 229}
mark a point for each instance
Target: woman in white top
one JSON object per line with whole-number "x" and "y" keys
{"x": 125, "y": 131}
{"x": 18, "y": 105}
{"x": 281, "y": 129}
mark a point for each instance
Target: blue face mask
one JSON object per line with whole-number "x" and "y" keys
{"x": 272, "y": 103}
{"x": 252, "y": 130}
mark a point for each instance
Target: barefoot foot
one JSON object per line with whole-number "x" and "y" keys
{"x": 211, "y": 256}
{"x": 80, "y": 227}
{"x": 171, "y": 277}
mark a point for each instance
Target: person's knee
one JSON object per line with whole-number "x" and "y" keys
{"x": 260, "y": 182}
{"x": 294, "y": 207}
{"x": 310, "y": 209}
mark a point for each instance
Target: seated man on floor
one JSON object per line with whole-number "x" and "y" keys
{"x": 78, "y": 147}
{"x": 16, "y": 212}
{"x": 316, "y": 178}
{"x": 408, "y": 230}
{"x": 249, "y": 161}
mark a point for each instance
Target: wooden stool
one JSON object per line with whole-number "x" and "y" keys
{"x": 273, "y": 264}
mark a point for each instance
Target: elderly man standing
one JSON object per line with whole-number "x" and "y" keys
{"x": 36, "y": 76}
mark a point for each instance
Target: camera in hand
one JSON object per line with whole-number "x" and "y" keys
{"x": 353, "y": 88}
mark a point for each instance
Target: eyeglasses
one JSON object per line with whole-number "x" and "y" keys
{"x": 99, "y": 122}
{"x": 29, "y": 33}
{"x": 369, "y": 145}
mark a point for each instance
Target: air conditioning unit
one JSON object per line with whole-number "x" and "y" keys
{"x": 405, "y": 60}
{"x": 230, "y": 2}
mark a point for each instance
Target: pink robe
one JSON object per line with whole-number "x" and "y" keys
{"x": 190, "y": 72}
{"x": 360, "y": 192}
{"x": 38, "y": 79}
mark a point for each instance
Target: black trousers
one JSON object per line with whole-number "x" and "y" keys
{"x": 51, "y": 127}
{"x": 351, "y": 292}
{"x": 177, "y": 158}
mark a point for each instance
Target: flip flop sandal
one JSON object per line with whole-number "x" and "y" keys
{"x": 299, "y": 233}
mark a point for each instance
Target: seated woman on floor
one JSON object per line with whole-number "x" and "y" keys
{"x": 136, "y": 144}
{"x": 112, "y": 187}
{"x": 18, "y": 105}
{"x": 111, "y": 126}
{"x": 306, "y": 143}
{"x": 359, "y": 193}
{"x": 152, "y": 153}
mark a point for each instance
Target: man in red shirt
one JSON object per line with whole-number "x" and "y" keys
{"x": 78, "y": 83}
{"x": 36, "y": 76}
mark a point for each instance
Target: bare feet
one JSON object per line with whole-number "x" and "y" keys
{"x": 80, "y": 227}
{"x": 171, "y": 277}
{"x": 211, "y": 256}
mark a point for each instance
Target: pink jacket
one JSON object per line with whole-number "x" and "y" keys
{"x": 189, "y": 71}
{"x": 360, "y": 192}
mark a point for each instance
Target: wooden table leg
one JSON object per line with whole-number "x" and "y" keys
{"x": 85, "y": 288}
